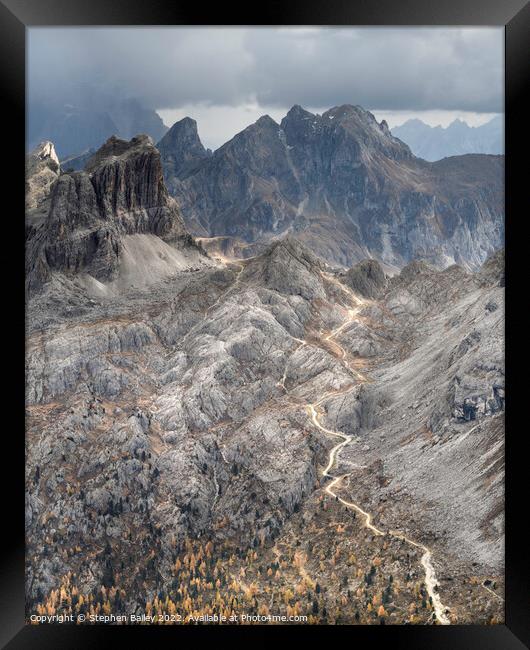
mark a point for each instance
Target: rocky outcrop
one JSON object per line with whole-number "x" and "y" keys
{"x": 181, "y": 151}
{"x": 42, "y": 170}
{"x": 342, "y": 184}
{"x": 366, "y": 278}
{"x": 288, "y": 267}
{"x": 120, "y": 193}
{"x": 492, "y": 271}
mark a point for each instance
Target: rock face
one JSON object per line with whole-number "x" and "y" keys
{"x": 42, "y": 170}
{"x": 366, "y": 278}
{"x": 120, "y": 193}
{"x": 343, "y": 185}
{"x": 181, "y": 151}
{"x": 492, "y": 271}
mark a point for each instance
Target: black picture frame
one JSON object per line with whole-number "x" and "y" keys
{"x": 15, "y": 16}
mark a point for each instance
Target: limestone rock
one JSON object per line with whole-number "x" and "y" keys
{"x": 342, "y": 184}
{"x": 366, "y": 278}
{"x": 181, "y": 151}
{"x": 42, "y": 170}
{"x": 120, "y": 193}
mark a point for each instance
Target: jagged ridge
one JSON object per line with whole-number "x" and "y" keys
{"x": 345, "y": 186}
{"x": 121, "y": 192}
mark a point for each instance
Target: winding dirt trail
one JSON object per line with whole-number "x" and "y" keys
{"x": 431, "y": 583}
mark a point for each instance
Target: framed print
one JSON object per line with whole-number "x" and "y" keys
{"x": 264, "y": 318}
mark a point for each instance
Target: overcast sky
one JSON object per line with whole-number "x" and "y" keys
{"x": 226, "y": 78}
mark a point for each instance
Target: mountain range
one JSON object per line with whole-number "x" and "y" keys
{"x": 342, "y": 184}
{"x": 436, "y": 142}
{"x": 273, "y": 435}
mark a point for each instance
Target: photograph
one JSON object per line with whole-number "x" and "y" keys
{"x": 265, "y": 375}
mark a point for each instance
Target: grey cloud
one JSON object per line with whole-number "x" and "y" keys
{"x": 392, "y": 69}
{"x": 385, "y": 68}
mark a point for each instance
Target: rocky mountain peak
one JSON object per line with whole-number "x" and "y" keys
{"x": 358, "y": 129}
{"x": 115, "y": 148}
{"x": 298, "y": 113}
{"x": 42, "y": 170}
{"x": 249, "y": 142}
{"x": 127, "y": 176}
{"x": 120, "y": 193}
{"x": 42, "y": 157}
{"x": 298, "y": 121}
{"x": 289, "y": 267}
{"x": 366, "y": 278}
{"x": 348, "y": 188}
{"x": 181, "y": 149}
{"x": 266, "y": 122}
{"x": 369, "y": 134}
{"x": 45, "y": 151}
{"x": 183, "y": 130}
{"x": 384, "y": 127}
{"x": 344, "y": 111}
{"x": 351, "y": 113}
{"x": 261, "y": 130}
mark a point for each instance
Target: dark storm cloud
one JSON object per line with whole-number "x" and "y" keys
{"x": 385, "y": 68}
{"x": 391, "y": 69}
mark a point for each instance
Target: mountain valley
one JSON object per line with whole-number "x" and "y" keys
{"x": 258, "y": 383}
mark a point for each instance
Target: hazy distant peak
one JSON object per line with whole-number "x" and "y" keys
{"x": 413, "y": 121}
{"x": 88, "y": 120}
{"x": 458, "y": 138}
